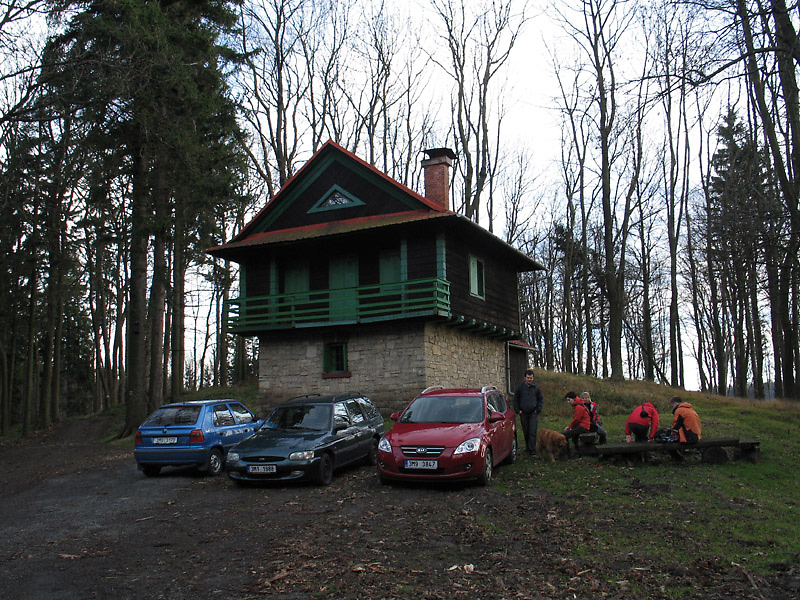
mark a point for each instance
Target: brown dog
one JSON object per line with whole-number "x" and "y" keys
{"x": 550, "y": 443}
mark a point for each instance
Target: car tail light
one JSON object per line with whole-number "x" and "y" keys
{"x": 196, "y": 436}
{"x": 138, "y": 437}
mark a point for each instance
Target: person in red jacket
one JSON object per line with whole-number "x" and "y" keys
{"x": 581, "y": 421}
{"x": 685, "y": 420}
{"x": 642, "y": 423}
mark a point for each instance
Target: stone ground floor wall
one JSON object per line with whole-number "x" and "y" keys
{"x": 389, "y": 364}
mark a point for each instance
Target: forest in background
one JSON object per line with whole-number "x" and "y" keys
{"x": 134, "y": 134}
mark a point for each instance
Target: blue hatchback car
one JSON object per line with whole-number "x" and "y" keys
{"x": 198, "y": 433}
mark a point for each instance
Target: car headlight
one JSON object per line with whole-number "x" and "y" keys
{"x": 304, "y": 455}
{"x": 384, "y": 445}
{"x": 473, "y": 445}
{"x": 233, "y": 456}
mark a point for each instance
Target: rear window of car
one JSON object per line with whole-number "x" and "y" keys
{"x": 355, "y": 412}
{"x": 173, "y": 415}
{"x": 444, "y": 409}
{"x": 369, "y": 408}
{"x": 242, "y": 414}
{"x": 316, "y": 417}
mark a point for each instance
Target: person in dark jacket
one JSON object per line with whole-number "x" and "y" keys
{"x": 642, "y": 423}
{"x": 685, "y": 421}
{"x": 581, "y": 421}
{"x": 528, "y": 402}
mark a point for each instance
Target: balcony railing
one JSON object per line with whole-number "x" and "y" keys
{"x": 317, "y": 308}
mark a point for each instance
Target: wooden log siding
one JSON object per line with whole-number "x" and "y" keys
{"x": 499, "y": 307}
{"x": 501, "y": 304}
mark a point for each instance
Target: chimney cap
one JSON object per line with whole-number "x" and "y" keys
{"x": 437, "y": 152}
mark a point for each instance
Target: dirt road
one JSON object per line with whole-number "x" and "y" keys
{"x": 78, "y": 521}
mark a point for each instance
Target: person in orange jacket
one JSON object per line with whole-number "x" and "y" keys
{"x": 581, "y": 421}
{"x": 685, "y": 421}
{"x": 642, "y": 423}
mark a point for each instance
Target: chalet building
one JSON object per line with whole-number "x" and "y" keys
{"x": 353, "y": 282}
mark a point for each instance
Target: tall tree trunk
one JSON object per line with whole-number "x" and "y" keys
{"x": 136, "y": 364}
{"x": 158, "y": 291}
{"x": 178, "y": 311}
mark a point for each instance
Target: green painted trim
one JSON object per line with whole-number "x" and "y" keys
{"x": 404, "y": 260}
{"x": 314, "y": 172}
{"x": 274, "y": 281}
{"x": 441, "y": 256}
{"x": 320, "y": 205}
{"x": 319, "y": 308}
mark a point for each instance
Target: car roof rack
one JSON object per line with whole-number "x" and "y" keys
{"x": 301, "y": 396}
{"x": 431, "y": 388}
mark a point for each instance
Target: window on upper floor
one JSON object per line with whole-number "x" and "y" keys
{"x": 476, "y": 278}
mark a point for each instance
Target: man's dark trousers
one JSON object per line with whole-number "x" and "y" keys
{"x": 530, "y": 426}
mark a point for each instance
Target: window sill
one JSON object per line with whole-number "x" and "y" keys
{"x": 342, "y": 375}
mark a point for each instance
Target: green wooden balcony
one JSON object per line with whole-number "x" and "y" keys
{"x": 343, "y": 306}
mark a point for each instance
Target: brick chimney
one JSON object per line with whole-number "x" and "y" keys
{"x": 437, "y": 174}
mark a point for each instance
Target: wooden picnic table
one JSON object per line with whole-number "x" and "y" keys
{"x": 712, "y": 450}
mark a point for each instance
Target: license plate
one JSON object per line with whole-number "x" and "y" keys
{"x": 421, "y": 464}
{"x": 262, "y": 469}
{"x": 165, "y": 440}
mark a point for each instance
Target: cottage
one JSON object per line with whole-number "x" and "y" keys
{"x": 352, "y": 281}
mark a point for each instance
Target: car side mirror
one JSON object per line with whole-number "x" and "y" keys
{"x": 394, "y": 416}
{"x": 495, "y": 417}
{"x": 340, "y": 425}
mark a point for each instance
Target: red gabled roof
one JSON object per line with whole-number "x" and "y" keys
{"x": 428, "y": 210}
{"x": 327, "y": 229}
{"x": 329, "y": 146}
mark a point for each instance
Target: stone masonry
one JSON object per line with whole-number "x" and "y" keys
{"x": 389, "y": 364}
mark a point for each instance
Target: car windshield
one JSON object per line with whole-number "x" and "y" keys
{"x": 444, "y": 409}
{"x": 316, "y": 417}
{"x": 173, "y": 415}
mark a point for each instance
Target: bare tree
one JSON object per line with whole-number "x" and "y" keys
{"x": 479, "y": 42}
{"x": 602, "y": 26}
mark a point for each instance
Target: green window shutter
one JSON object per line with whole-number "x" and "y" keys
{"x": 390, "y": 266}
{"x": 296, "y": 278}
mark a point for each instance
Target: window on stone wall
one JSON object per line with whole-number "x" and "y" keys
{"x": 334, "y": 360}
{"x": 476, "y": 282}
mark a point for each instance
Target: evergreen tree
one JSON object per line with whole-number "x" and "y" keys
{"x": 146, "y": 78}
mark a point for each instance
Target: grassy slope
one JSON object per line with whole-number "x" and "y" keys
{"x": 740, "y": 512}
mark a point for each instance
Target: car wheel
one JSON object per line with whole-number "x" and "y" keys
{"x": 372, "y": 457}
{"x": 512, "y": 455}
{"x": 151, "y": 470}
{"x": 324, "y": 475}
{"x": 215, "y": 463}
{"x": 383, "y": 479}
{"x": 486, "y": 476}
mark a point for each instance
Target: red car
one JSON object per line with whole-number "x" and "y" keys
{"x": 449, "y": 434}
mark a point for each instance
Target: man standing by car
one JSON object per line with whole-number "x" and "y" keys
{"x": 528, "y": 403}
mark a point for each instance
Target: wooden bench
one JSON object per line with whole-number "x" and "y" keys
{"x": 711, "y": 450}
